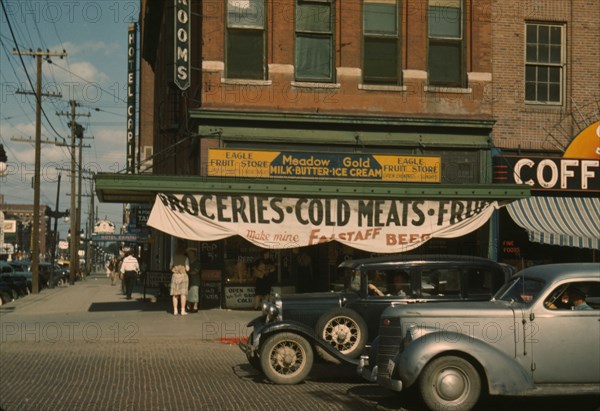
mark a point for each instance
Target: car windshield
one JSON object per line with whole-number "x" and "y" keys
{"x": 352, "y": 279}
{"x": 520, "y": 289}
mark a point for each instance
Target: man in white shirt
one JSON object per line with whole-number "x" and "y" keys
{"x": 130, "y": 268}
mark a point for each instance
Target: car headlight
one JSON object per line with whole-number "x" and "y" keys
{"x": 270, "y": 310}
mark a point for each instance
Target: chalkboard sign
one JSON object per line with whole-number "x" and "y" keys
{"x": 210, "y": 294}
{"x": 210, "y": 254}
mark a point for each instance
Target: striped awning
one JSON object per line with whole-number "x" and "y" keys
{"x": 566, "y": 221}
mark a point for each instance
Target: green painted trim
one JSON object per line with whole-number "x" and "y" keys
{"x": 217, "y": 116}
{"x": 142, "y": 188}
{"x": 288, "y": 135}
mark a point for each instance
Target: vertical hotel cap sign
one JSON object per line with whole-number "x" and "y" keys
{"x": 131, "y": 90}
{"x": 181, "y": 75}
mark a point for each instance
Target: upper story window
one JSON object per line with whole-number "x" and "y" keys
{"x": 245, "y": 53}
{"x": 544, "y": 63}
{"x": 381, "y": 42}
{"x": 446, "y": 62}
{"x": 314, "y": 41}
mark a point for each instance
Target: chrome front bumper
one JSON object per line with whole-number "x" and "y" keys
{"x": 369, "y": 374}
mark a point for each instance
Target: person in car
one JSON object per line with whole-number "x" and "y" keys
{"x": 577, "y": 297}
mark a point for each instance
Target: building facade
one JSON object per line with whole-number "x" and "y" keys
{"x": 546, "y": 73}
{"x": 22, "y": 236}
{"x": 243, "y": 93}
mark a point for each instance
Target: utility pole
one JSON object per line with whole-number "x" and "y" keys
{"x": 92, "y": 219}
{"x": 76, "y": 131}
{"x": 35, "y": 258}
{"x": 55, "y": 233}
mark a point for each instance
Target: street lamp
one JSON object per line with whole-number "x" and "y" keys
{"x": 3, "y": 160}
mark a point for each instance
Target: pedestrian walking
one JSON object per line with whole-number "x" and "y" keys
{"x": 114, "y": 268}
{"x": 263, "y": 270}
{"x": 179, "y": 280}
{"x": 109, "y": 266}
{"x": 130, "y": 268}
{"x": 193, "y": 297}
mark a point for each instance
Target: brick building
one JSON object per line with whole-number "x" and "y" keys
{"x": 546, "y": 73}
{"x": 23, "y": 215}
{"x": 453, "y": 80}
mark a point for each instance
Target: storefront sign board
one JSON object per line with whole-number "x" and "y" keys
{"x": 323, "y": 166}
{"x": 374, "y": 225}
{"x": 239, "y": 297}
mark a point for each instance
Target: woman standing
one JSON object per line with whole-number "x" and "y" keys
{"x": 179, "y": 280}
{"x": 193, "y": 296}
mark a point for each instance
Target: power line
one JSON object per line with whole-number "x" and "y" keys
{"x": 25, "y": 68}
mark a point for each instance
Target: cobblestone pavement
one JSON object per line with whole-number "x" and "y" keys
{"x": 159, "y": 374}
{"x": 84, "y": 347}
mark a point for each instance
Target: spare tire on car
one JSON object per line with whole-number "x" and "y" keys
{"x": 345, "y": 330}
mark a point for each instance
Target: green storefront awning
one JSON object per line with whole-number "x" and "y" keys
{"x": 142, "y": 188}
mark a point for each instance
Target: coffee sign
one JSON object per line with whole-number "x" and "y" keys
{"x": 553, "y": 175}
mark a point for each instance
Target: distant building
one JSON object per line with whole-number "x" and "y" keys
{"x": 23, "y": 214}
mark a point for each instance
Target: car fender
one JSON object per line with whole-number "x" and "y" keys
{"x": 303, "y": 330}
{"x": 504, "y": 375}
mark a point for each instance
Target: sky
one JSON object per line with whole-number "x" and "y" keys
{"x": 94, "y": 73}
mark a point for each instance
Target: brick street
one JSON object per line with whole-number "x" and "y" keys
{"x": 85, "y": 347}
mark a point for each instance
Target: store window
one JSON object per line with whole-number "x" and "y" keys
{"x": 245, "y": 51}
{"x": 381, "y": 42}
{"x": 314, "y": 41}
{"x": 482, "y": 282}
{"x": 544, "y": 63}
{"x": 446, "y": 43}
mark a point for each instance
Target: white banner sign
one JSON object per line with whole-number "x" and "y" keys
{"x": 374, "y": 225}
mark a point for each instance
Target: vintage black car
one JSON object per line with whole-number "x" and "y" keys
{"x": 339, "y": 324}
{"x": 49, "y": 275}
{"x": 9, "y": 280}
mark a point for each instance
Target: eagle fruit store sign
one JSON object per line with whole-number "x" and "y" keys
{"x": 323, "y": 166}
{"x": 373, "y": 225}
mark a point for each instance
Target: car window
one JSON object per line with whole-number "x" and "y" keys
{"x": 522, "y": 290}
{"x": 440, "y": 281}
{"x": 378, "y": 279}
{"x": 352, "y": 280}
{"x": 398, "y": 282}
{"x": 577, "y": 295}
{"x": 482, "y": 281}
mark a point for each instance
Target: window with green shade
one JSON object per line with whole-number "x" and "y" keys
{"x": 544, "y": 63}
{"x": 446, "y": 61}
{"x": 245, "y": 50}
{"x": 314, "y": 57}
{"x": 381, "y": 42}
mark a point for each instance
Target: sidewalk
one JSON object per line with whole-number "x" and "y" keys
{"x": 93, "y": 310}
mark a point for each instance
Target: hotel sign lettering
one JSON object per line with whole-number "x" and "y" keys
{"x": 323, "y": 166}
{"x": 182, "y": 49}
{"x": 131, "y": 94}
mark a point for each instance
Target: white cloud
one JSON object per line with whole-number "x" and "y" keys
{"x": 89, "y": 47}
{"x": 84, "y": 75}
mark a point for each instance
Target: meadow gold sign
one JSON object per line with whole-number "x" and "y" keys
{"x": 325, "y": 166}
